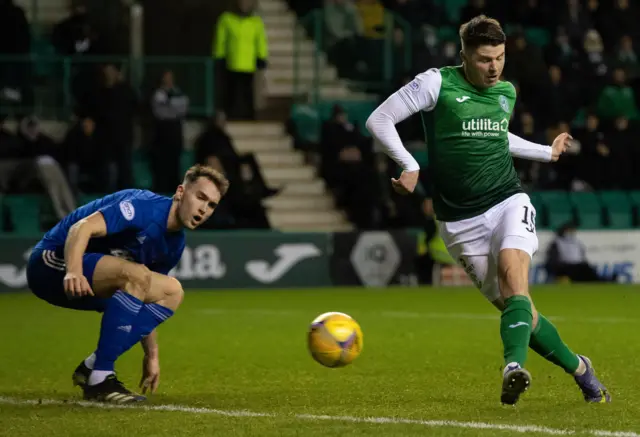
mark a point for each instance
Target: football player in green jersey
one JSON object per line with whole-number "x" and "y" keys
{"x": 485, "y": 218}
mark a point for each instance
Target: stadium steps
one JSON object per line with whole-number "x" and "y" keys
{"x": 290, "y": 46}
{"x": 303, "y": 203}
{"x": 45, "y": 13}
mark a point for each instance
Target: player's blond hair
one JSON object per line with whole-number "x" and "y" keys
{"x": 479, "y": 31}
{"x": 203, "y": 171}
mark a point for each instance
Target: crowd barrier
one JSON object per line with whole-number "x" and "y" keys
{"x": 236, "y": 260}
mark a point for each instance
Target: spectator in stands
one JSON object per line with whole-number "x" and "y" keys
{"x": 342, "y": 22}
{"x": 76, "y": 36}
{"x": 566, "y": 257}
{"x": 562, "y": 97}
{"x": 575, "y": 19}
{"x": 169, "y": 106}
{"x": 215, "y": 147}
{"x": 87, "y": 171}
{"x": 623, "y": 148}
{"x": 343, "y": 30}
{"x": 15, "y": 41}
{"x": 617, "y": 99}
{"x": 73, "y": 35}
{"x": 34, "y": 142}
{"x": 528, "y": 13}
{"x": 372, "y": 15}
{"x": 595, "y": 13}
{"x": 347, "y": 166}
{"x": 240, "y": 49}
{"x": 597, "y": 167}
{"x": 593, "y": 64}
{"x": 622, "y": 20}
{"x": 412, "y": 11}
{"x": 113, "y": 106}
{"x": 473, "y": 9}
{"x": 563, "y": 53}
{"x": 526, "y": 65}
{"x": 528, "y": 171}
{"x": 626, "y": 56}
{"x": 241, "y": 207}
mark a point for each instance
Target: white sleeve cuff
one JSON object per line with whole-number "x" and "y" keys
{"x": 521, "y": 148}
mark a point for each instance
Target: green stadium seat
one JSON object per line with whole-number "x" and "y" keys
{"x": 83, "y": 199}
{"x": 142, "y": 177}
{"x": 44, "y": 51}
{"x": 358, "y": 110}
{"x": 634, "y": 198}
{"x": 588, "y": 209}
{"x": 307, "y": 122}
{"x": 447, "y": 33}
{"x": 558, "y": 207}
{"x": 24, "y": 213}
{"x": 452, "y": 9}
{"x": 2, "y": 214}
{"x": 187, "y": 159}
{"x": 618, "y": 209}
{"x": 538, "y": 36}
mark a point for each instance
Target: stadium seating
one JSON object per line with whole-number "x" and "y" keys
{"x": 618, "y": 209}
{"x": 557, "y": 208}
{"x": 588, "y": 209}
{"x": 24, "y": 213}
{"x": 141, "y": 171}
{"x": 308, "y": 118}
{"x": 634, "y": 198}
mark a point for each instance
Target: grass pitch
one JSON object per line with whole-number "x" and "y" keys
{"x": 234, "y": 363}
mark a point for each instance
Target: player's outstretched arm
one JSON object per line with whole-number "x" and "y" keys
{"x": 150, "y": 363}
{"x": 419, "y": 95}
{"x": 521, "y": 148}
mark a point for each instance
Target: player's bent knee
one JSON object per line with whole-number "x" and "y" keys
{"x": 137, "y": 281}
{"x": 172, "y": 293}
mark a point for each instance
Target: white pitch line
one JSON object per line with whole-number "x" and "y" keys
{"x": 416, "y": 315}
{"x": 316, "y": 417}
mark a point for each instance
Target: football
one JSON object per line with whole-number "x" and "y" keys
{"x": 334, "y": 339}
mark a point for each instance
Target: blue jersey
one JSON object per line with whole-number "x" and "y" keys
{"x": 136, "y": 230}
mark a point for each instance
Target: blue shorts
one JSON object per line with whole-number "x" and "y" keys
{"x": 45, "y": 276}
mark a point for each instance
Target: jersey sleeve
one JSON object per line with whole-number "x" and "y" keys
{"x": 421, "y": 94}
{"x": 134, "y": 214}
{"x": 521, "y": 148}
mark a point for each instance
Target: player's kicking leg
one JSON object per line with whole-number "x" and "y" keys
{"x": 137, "y": 301}
{"x": 521, "y": 326}
{"x": 515, "y": 323}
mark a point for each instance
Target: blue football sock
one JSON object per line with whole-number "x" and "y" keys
{"x": 115, "y": 330}
{"x": 150, "y": 316}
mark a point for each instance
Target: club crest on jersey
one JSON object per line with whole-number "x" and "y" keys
{"x": 504, "y": 103}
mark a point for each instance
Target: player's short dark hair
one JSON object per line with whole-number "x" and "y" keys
{"x": 203, "y": 171}
{"x": 481, "y": 30}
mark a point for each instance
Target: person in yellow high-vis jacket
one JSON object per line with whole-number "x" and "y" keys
{"x": 240, "y": 47}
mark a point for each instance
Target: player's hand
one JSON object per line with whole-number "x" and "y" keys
{"x": 406, "y": 183}
{"x": 150, "y": 374}
{"x": 560, "y": 145}
{"x": 76, "y": 285}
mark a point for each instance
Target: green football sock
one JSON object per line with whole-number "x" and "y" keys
{"x": 515, "y": 329}
{"x": 546, "y": 342}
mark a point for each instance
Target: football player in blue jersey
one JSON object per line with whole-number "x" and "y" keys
{"x": 113, "y": 256}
